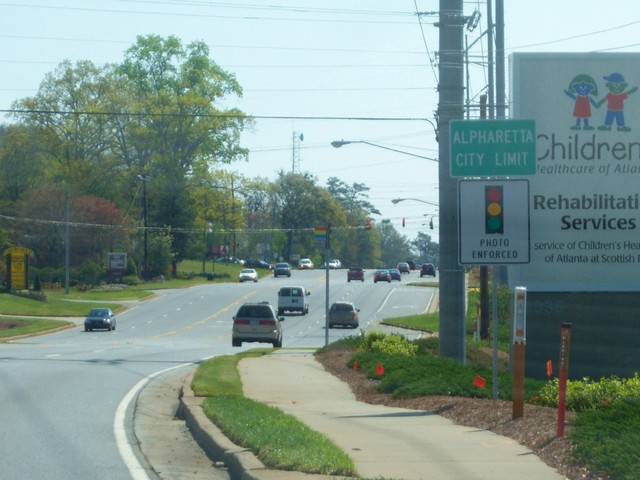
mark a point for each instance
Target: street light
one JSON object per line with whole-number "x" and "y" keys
{"x": 398, "y": 200}
{"x": 340, "y": 143}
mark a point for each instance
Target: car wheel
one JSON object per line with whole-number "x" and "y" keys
{"x": 255, "y": 281}
{"x": 236, "y": 343}
{"x": 280, "y": 312}
{"x": 277, "y": 344}
{"x": 349, "y": 280}
{"x": 86, "y": 329}
{"x": 114, "y": 326}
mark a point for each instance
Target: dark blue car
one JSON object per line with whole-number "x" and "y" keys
{"x": 100, "y": 318}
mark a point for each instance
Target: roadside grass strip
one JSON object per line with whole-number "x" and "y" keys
{"x": 279, "y": 440}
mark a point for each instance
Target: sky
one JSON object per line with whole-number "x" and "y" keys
{"x": 314, "y": 72}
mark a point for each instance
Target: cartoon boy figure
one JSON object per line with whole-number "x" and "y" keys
{"x": 582, "y": 89}
{"x": 615, "y": 102}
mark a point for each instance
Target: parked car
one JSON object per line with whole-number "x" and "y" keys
{"x": 427, "y": 269}
{"x": 230, "y": 260}
{"x": 355, "y": 273}
{"x": 305, "y": 264}
{"x": 282, "y": 269}
{"x": 102, "y": 318}
{"x": 293, "y": 299}
{"x": 248, "y": 275}
{"x": 343, "y": 313}
{"x": 404, "y": 267}
{"x": 395, "y": 274}
{"x": 257, "y": 322}
{"x": 381, "y": 275}
{"x": 258, "y": 264}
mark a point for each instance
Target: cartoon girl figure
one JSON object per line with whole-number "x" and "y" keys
{"x": 582, "y": 89}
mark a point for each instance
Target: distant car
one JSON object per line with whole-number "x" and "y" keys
{"x": 395, "y": 274}
{"x": 381, "y": 276}
{"x": 427, "y": 269}
{"x": 404, "y": 267}
{"x": 258, "y": 264}
{"x": 343, "y": 313}
{"x": 282, "y": 269}
{"x": 355, "y": 273}
{"x": 333, "y": 264}
{"x": 412, "y": 265}
{"x": 248, "y": 275}
{"x": 257, "y": 322}
{"x": 305, "y": 264}
{"x": 102, "y": 318}
{"x": 230, "y": 260}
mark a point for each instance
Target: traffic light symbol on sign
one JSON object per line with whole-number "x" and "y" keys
{"x": 494, "y": 209}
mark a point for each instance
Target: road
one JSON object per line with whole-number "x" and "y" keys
{"x": 66, "y": 398}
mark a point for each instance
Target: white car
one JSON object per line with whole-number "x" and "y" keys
{"x": 305, "y": 264}
{"x": 248, "y": 275}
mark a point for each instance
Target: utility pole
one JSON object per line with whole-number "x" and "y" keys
{"x": 450, "y": 107}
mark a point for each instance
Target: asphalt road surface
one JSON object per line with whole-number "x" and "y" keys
{"x": 66, "y": 399}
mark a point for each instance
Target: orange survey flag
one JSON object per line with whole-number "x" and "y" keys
{"x": 379, "y": 369}
{"x": 479, "y": 382}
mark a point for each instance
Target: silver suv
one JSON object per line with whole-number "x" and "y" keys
{"x": 257, "y": 322}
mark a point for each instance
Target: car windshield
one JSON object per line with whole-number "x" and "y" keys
{"x": 98, "y": 312}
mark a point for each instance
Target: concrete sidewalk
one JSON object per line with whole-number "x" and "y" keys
{"x": 383, "y": 441}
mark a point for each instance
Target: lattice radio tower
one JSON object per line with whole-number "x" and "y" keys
{"x": 295, "y": 157}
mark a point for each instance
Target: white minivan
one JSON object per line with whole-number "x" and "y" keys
{"x": 293, "y": 299}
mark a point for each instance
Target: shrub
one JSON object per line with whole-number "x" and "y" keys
{"x": 587, "y": 394}
{"x": 606, "y": 439}
{"x": 393, "y": 344}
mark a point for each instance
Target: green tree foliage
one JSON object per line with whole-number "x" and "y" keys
{"x": 395, "y": 247}
{"x": 428, "y": 250}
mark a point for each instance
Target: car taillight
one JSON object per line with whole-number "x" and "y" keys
{"x": 268, "y": 322}
{"x": 241, "y": 322}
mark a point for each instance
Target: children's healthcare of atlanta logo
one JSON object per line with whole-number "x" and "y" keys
{"x": 583, "y": 89}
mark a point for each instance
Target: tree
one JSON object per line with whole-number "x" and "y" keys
{"x": 351, "y": 197}
{"x": 429, "y": 250}
{"x": 395, "y": 247}
{"x": 171, "y": 126}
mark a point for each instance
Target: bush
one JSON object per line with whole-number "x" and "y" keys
{"x": 394, "y": 344}
{"x": 131, "y": 280}
{"x": 587, "y": 394}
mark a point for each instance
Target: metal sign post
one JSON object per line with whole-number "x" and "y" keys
{"x": 563, "y": 374}
{"x": 519, "y": 339}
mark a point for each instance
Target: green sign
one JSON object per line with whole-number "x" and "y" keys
{"x": 493, "y": 148}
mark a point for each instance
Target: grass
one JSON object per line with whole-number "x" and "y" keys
{"x": 56, "y": 307}
{"x": 14, "y": 327}
{"x": 427, "y": 322}
{"x": 279, "y": 440}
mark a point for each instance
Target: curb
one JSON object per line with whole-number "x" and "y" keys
{"x": 241, "y": 462}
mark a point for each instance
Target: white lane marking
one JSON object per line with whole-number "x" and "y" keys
{"x": 127, "y": 454}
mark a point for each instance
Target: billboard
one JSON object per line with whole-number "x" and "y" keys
{"x": 584, "y": 196}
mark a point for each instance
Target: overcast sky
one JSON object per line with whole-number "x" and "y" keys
{"x": 371, "y": 63}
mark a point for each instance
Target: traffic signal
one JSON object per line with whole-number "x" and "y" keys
{"x": 493, "y": 209}
{"x": 402, "y": 222}
{"x": 431, "y": 224}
